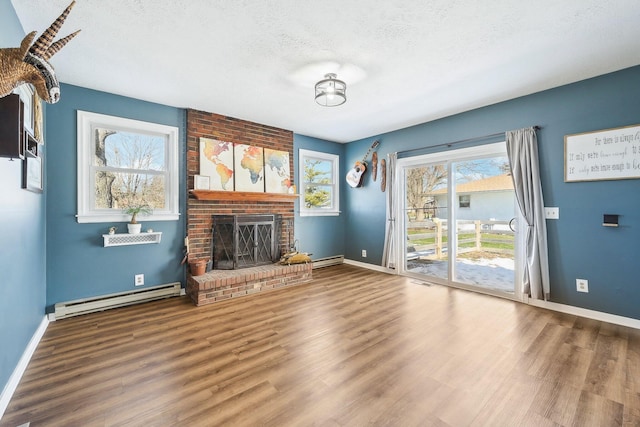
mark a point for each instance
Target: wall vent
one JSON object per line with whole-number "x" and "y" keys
{"x": 120, "y": 299}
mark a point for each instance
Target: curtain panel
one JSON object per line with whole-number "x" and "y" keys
{"x": 522, "y": 150}
{"x": 389, "y": 252}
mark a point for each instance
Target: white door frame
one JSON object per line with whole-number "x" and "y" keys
{"x": 449, "y": 157}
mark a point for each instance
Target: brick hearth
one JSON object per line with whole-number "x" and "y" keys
{"x": 218, "y": 285}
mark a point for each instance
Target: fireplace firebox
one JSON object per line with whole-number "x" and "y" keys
{"x": 241, "y": 241}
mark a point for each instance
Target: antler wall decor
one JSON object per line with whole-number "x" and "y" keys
{"x": 30, "y": 63}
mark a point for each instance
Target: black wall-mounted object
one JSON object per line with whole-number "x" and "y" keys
{"x": 12, "y": 133}
{"x": 610, "y": 220}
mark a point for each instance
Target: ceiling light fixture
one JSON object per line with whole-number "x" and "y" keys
{"x": 331, "y": 92}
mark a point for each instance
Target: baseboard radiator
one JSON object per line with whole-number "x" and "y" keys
{"x": 326, "y": 262}
{"x": 120, "y": 299}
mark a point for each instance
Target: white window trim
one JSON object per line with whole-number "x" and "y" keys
{"x": 335, "y": 160}
{"x": 87, "y": 122}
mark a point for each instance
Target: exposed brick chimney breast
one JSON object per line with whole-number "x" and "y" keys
{"x": 199, "y": 212}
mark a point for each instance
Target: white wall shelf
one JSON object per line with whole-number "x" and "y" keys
{"x": 131, "y": 239}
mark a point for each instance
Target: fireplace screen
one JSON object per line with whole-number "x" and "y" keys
{"x": 240, "y": 241}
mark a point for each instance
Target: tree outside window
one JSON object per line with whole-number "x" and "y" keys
{"x": 421, "y": 181}
{"x": 319, "y": 172}
{"x": 124, "y": 163}
{"x": 130, "y": 170}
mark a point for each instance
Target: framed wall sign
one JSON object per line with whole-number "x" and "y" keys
{"x": 32, "y": 176}
{"x": 201, "y": 182}
{"x": 27, "y": 97}
{"x": 602, "y": 155}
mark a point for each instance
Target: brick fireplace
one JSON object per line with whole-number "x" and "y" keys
{"x": 200, "y": 213}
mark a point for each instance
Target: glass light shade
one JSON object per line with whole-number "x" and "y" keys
{"x": 331, "y": 92}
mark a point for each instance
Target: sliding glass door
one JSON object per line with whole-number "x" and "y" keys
{"x": 458, "y": 216}
{"x": 426, "y": 213}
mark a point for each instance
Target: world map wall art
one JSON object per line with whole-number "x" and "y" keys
{"x": 225, "y": 166}
{"x": 216, "y": 162}
{"x": 249, "y": 168}
{"x": 277, "y": 177}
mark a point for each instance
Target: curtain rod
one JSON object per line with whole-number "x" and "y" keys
{"x": 449, "y": 144}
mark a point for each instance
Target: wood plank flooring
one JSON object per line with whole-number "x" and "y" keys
{"x": 351, "y": 348}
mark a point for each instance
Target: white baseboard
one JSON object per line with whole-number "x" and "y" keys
{"x": 16, "y": 376}
{"x": 584, "y": 312}
{"x": 554, "y": 306}
{"x": 379, "y": 268}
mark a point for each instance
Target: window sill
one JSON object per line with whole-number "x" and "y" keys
{"x": 86, "y": 219}
{"x": 333, "y": 213}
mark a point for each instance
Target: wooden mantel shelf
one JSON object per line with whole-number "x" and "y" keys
{"x": 244, "y": 196}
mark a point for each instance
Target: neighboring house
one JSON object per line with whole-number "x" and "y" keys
{"x": 484, "y": 199}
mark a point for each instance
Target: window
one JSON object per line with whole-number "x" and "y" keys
{"x": 464, "y": 201}
{"x": 123, "y": 162}
{"x": 319, "y": 183}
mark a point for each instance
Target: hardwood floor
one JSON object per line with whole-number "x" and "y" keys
{"x": 351, "y": 348}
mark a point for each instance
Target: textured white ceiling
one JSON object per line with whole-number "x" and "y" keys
{"x": 405, "y": 62}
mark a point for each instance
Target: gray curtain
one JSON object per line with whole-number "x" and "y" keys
{"x": 389, "y": 252}
{"x": 522, "y": 149}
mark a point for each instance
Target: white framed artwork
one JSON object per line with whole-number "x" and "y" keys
{"x": 201, "y": 182}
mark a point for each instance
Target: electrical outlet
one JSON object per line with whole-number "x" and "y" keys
{"x": 364, "y": 253}
{"x": 138, "y": 279}
{"x": 582, "y": 285}
{"x": 552, "y": 213}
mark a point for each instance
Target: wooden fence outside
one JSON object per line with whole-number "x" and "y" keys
{"x": 480, "y": 231}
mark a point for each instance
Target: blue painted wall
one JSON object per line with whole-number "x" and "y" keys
{"x": 22, "y": 243}
{"x": 78, "y": 265}
{"x": 321, "y": 235}
{"x": 579, "y": 247}
{"x": 63, "y": 260}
